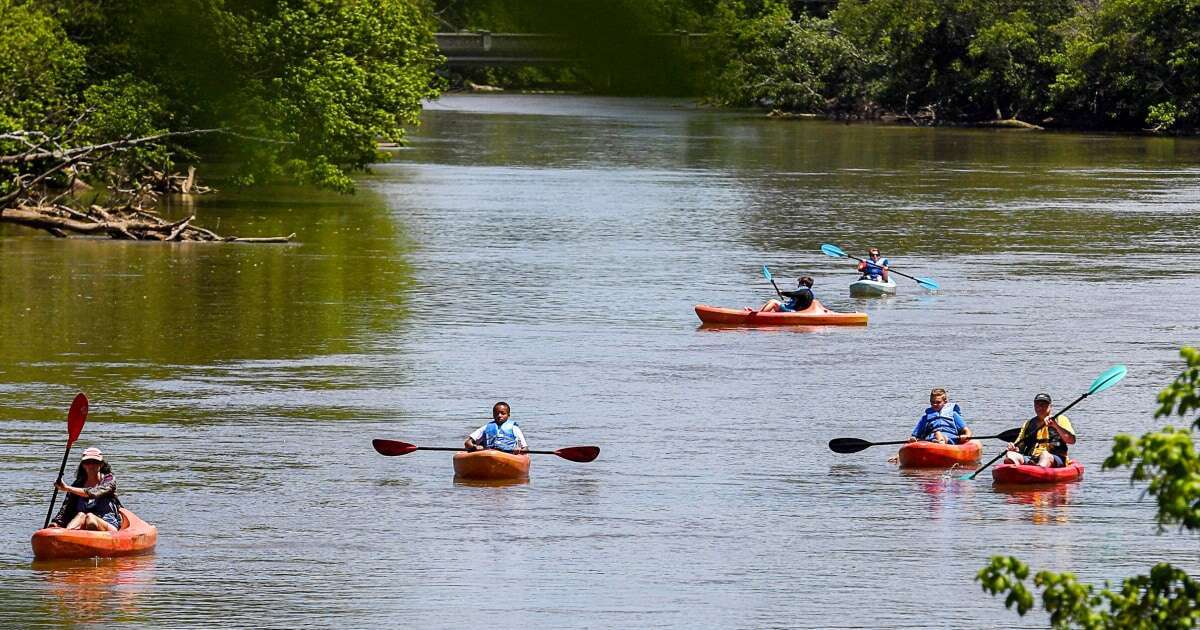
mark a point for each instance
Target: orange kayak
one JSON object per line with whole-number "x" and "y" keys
{"x": 1025, "y": 474}
{"x": 815, "y": 315}
{"x": 934, "y": 455}
{"x": 490, "y": 465}
{"x": 135, "y": 536}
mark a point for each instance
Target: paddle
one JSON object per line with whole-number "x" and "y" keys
{"x": 75, "y": 419}
{"x": 836, "y": 252}
{"x": 854, "y": 445}
{"x": 573, "y": 453}
{"x": 767, "y": 275}
{"x": 1110, "y": 377}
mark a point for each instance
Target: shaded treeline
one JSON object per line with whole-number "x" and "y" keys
{"x": 120, "y": 92}
{"x": 1108, "y": 64}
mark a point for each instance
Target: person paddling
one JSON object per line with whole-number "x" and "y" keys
{"x": 875, "y": 267}
{"x": 798, "y": 299}
{"x": 91, "y": 503}
{"x": 502, "y": 433}
{"x": 1043, "y": 439}
{"x": 942, "y": 422}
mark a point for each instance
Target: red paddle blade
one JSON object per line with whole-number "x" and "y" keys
{"x": 392, "y": 447}
{"x": 579, "y": 453}
{"x": 75, "y": 417}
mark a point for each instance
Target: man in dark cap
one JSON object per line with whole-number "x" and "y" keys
{"x": 1044, "y": 438}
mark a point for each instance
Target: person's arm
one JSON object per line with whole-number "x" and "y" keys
{"x": 1064, "y": 428}
{"x": 883, "y": 264}
{"x": 470, "y": 444}
{"x": 107, "y": 485}
{"x": 918, "y": 431}
{"x": 964, "y": 432}
{"x": 522, "y": 445}
{"x": 1012, "y": 446}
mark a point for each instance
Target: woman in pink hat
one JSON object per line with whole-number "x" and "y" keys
{"x": 92, "y": 502}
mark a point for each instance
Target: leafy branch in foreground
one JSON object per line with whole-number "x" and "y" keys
{"x": 1165, "y": 598}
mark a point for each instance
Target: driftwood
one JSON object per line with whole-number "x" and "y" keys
{"x": 32, "y": 203}
{"x": 124, "y": 224}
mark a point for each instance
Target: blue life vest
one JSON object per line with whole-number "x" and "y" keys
{"x": 501, "y": 437}
{"x": 873, "y": 270}
{"x": 949, "y": 425}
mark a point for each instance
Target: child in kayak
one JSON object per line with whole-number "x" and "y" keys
{"x": 874, "y": 268}
{"x": 1043, "y": 439}
{"x": 942, "y": 422}
{"x": 501, "y": 433}
{"x": 92, "y": 502}
{"x": 797, "y": 300}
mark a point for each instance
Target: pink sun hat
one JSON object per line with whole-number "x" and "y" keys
{"x": 92, "y": 454}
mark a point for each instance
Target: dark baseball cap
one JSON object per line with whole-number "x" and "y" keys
{"x": 1041, "y": 398}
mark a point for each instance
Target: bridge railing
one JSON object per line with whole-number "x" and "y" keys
{"x": 486, "y": 48}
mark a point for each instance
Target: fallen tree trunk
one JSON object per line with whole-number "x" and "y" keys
{"x": 124, "y": 224}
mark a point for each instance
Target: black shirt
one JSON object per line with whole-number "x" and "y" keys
{"x": 799, "y": 299}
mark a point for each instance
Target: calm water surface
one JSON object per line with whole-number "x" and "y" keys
{"x": 548, "y": 251}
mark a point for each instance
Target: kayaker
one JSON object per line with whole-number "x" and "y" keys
{"x": 798, "y": 299}
{"x": 875, "y": 267}
{"x": 942, "y": 421}
{"x": 501, "y": 433}
{"x": 1043, "y": 439}
{"x": 91, "y": 503}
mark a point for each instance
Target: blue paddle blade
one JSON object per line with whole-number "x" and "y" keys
{"x": 929, "y": 283}
{"x": 1108, "y": 379}
{"x": 766, "y": 273}
{"x": 833, "y": 250}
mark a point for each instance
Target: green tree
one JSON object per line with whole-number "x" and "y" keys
{"x": 1131, "y": 63}
{"x": 959, "y": 60}
{"x": 1166, "y": 597}
{"x": 768, "y": 58}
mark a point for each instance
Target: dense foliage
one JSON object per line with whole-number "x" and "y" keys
{"x": 1165, "y": 598}
{"x": 1114, "y": 64}
{"x": 303, "y": 89}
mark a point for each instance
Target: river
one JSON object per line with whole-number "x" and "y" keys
{"x": 548, "y": 251}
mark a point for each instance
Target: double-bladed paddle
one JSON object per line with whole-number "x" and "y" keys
{"x": 854, "y": 445}
{"x": 1110, "y": 377}
{"x": 75, "y": 419}
{"x": 836, "y": 252}
{"x": 393, "y": 447}
{"x": 767, "y": 275}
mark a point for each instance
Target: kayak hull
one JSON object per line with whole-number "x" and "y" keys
{"x": 490, "y": 465}
{"x": 135, "y": 537}
{"x": 1012, "y": 474}
{"x": 934, "y": 455}
{"x": 814, "y": 315}
{"x": 872, "y": 288}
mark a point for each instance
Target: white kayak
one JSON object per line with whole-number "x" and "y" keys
{"x": 868, "y": 288}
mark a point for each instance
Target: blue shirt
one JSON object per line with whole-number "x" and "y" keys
{"x": 951, "y": 425}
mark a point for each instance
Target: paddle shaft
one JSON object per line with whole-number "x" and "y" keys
{"x": 54, "y": 498}
{"x": 1005, "y": 452}
{"x": 973, "y": 437}
{"x": 889, "y": 269}
{"x": 463, "y": 450}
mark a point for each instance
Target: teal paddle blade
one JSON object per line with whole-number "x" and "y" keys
{"x": 929, "y": 283}
{"x": 767, "y": 273}
{"x": 833, "y": 250}
{"x": 1108, "y": 379}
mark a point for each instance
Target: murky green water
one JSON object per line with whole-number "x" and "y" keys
{"x": 548, "y": 251}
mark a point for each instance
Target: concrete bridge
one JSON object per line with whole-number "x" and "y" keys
{"x": 467, "y": 50}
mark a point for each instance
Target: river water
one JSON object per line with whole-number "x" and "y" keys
{"x": 548, "y": 251}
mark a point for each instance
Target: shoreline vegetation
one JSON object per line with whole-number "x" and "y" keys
{"x": 1128, "y": 66}
{"x": 104, "y": 103}
{"x": 307, "y": 91}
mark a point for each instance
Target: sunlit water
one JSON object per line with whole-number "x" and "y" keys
{"x": 548, "y": 251}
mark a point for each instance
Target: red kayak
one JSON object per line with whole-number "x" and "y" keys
{"x": 135, "y": 536}
{"x": 1027, "y": 474}
{"x": 934, "y": 455}
{"x": 815, "y": 315}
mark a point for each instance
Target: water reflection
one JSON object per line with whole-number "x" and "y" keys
{"x": 1046, "y": 501}
{"x": 100, "y": 589}
{"x": 490, "y": 483}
